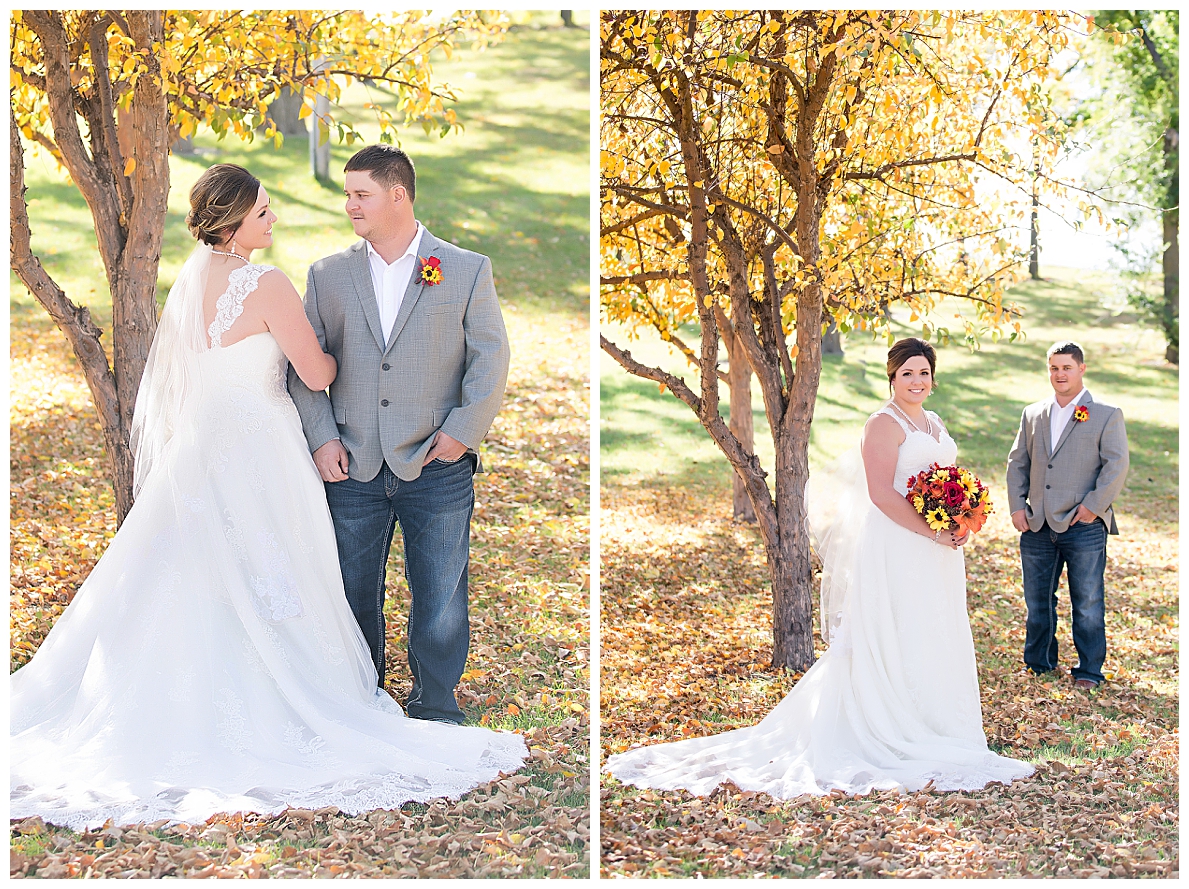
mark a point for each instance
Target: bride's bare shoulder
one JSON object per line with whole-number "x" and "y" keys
{"x": 882, "y": 427}
{"x": 272, "y": 282}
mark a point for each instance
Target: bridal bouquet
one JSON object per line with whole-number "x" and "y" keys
{"x": 950, "y": 496}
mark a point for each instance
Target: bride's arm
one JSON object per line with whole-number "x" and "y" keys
{"x": 882, "y": 438}
{"x": 285, "y": 317}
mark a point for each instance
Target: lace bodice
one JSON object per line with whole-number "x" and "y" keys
{"x": 919, "y": 449}
{"x": 230, "y": 305}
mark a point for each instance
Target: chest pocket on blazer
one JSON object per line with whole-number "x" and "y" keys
{"x": 439, "y": 307}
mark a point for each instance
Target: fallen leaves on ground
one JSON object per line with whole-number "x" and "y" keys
{"x": 529, "y": 664}
{"x": 686, "y": 651}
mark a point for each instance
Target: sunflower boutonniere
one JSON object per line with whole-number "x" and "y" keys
{"x": 1080, "y": 414}
{"x": 431, "y": 271}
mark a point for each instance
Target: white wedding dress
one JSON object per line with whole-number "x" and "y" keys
{"x": 893, "y": 702}
{"x": 210, "y": 663}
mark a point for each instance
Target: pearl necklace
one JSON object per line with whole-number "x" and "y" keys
{"x": 928, "y": 430}
{"x": 236, "y": 255}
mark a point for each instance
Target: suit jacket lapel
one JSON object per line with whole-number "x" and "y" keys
{"x": 1045, "y": 423}
{"x": 361, "y": 276}
{"x": 1072, "y": 423}
{"x": 415, "y": 287}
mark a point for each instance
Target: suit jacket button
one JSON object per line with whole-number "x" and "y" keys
{"x": 389, "y": 367}
{"x": 1046, "y": 486}
{"x": 384, "y": 403}
{"x": 386, "y": 368}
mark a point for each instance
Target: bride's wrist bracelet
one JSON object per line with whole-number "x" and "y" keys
{"x": 937, "y": 536}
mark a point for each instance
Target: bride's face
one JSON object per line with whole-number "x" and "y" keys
{"x": 255, "y": 232}
{"x": 913, "y": 380}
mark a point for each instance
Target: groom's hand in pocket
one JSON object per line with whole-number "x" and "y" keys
{"x": 444, "y": 448}
{"x": 1019, "y": 520}
{"x": 1083, "y": 515}
{"x": 331, "y": 460}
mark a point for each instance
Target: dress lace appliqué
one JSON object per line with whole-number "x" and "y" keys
{"x": 240, "y": 283}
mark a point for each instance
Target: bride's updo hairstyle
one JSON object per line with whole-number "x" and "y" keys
{"x": 220, "y": 200}
{"x": 910, "y": 347}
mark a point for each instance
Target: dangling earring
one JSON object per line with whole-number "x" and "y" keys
{"x": 233, "y": 245}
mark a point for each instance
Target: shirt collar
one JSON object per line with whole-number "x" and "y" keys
{"x": 411, "y": 250}
{"x": 1076, "y": 399}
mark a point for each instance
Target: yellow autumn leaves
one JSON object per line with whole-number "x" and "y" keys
{"x": 920, "y": 109}
{"x": 222, "y": 68}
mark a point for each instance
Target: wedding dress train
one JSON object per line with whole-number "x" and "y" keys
{"x": 210, "y": 662}
{"x": 893, "y": 702}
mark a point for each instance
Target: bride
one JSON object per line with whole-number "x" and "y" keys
{"x": 894, "y": 701}
{"x": 210, "y": 662}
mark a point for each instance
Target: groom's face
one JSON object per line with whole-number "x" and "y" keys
{"x": 374, "y": 210}
{"x": 1066, "y": 375}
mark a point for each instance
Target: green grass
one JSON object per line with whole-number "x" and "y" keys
{"x": 649, "y": 438}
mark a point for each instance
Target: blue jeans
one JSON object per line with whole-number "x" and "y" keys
{"x": 1043, "y": 554}
{"x": 434, "y": 513}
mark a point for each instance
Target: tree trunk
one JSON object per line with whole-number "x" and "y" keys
{"x": 1034, "y": 236}
{"x": 790, "y": 566}
{"x": 832, "y": 340}
{"x": 74, "y": 321}
{"x": 319, "y": 138}
{"x": 284, "y": 111}
{"x": 122, "y": 171}
{"x": 1170, "y": 319}
{"x": 741, "y": 422}
{"x": 133, "y": 273}
{"x": 567, "y": 18}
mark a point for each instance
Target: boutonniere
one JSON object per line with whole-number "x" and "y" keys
{"x": 1080, "y": 414}
{"x": 431, "y": 271}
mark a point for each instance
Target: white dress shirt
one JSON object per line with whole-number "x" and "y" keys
{"x": 389, "y": 281}
{"x": 1059, "y": 416}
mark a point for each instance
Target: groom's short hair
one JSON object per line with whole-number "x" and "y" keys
{"x": 386, "y": 164}
{"x": 1068, "y": 347}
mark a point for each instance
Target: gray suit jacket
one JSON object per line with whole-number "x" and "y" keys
{"x": 444, "y": 366}
{"x": 1088, "y": 466}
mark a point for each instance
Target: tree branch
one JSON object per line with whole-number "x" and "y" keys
{"x": 73, "y": 320}
{"x": 640, "y": 278}
{"x": 674, "y": 384}
{"x": 68, "y": 138}
{"x": 105, "y": 144}
{"x": 1157, "y": 60}
{"x": 616, "y": 227}
{"x": 881, "y": 171}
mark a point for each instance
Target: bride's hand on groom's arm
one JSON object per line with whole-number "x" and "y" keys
{"x": 331, "y": 460}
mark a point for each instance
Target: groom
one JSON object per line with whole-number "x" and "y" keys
{"x": 1065, "y": 469}
{"x": 423, "y": 359}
